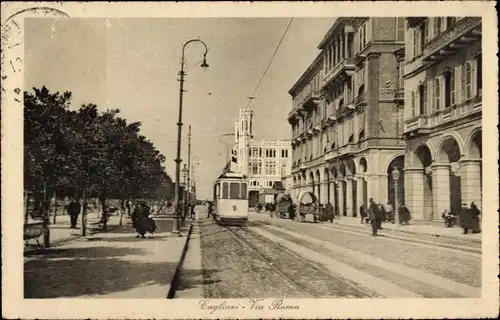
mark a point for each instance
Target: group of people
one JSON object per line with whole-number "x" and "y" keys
{"x": 378, "y": 213}
{"x": 142, "y": 221}
{"x": 468, "y": 218}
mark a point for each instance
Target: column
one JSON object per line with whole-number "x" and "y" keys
{"x": 440, "y": 189}
{"x": 333, "y": 54}
{"x": 470, "y": 178}
{"x": 317, "y": 191}
{"x": 359, "y": 192}
{"x": 324, "y": 192}
{"x": 339, "y": 46}
{"x": 414, "y": 192}
{"x": 346, "y": 45}
{"x": 331, "y": 185}
{"x": 341, "y": 197}
{"x": 342, "y": 47}
{"x": 383, "y": 196}
{"x": 348, "y": 199}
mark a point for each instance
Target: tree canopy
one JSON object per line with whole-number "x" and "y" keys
{"x": 88, "y": 150}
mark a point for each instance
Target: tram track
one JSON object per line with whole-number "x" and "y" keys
{"x": 318, "y": 282}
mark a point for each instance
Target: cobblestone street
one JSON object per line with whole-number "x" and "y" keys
{"x": 275, "y": 257}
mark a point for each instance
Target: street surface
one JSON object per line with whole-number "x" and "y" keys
{"x": 274, "y": 257}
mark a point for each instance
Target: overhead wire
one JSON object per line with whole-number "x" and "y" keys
{"x": 252, "y": 97}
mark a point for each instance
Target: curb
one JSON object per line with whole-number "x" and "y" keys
{"x": 175, "y": 278}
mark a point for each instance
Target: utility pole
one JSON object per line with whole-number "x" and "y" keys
{"x": 189, "y": 168}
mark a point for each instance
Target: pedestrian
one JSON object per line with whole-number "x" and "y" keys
{"x": 192, "y": 213}
{"x": 465, "y": 217}
{"x": 291, "y": 211}
{"x": 382, "y": 213}
{"x": 329, "y": 212}
{"x": 476, "y": 226}
{"x": 362, "y": 212}
{"x": 375, "y": 217}
{"x": 74, "y": 208}
{"x": 404, "y": 214}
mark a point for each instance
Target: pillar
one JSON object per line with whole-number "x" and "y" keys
{"x": 359, "y": 192}
{"x": 348, "y": 199}
{"x": 440, "y": 189}
{"x": 346, "y": 45}
{"x": 317, "y": 191}
{"x": 470, "y": 177}
{"x": 342, "y": 47}
{"x": 341, "y": 197}
{"x": 383, "y": 195}
{"x": 414, "y": 192}
{"x": 331, "y": 185}
{"x": 324, "y": 192}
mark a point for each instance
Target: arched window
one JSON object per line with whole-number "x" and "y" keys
{"x": 449, "y": 88}
{"x": 468, "y": 80}
{"x": 437, "y": 94}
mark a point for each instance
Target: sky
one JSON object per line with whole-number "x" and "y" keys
{"x": 133, "y": 64}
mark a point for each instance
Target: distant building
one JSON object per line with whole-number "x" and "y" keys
{"x": 266, "y": 163}
{"x": 443, "y": 113}
{"x": 347, "y": 116}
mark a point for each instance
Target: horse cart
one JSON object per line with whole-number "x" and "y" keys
{"x": 284, "y": 201}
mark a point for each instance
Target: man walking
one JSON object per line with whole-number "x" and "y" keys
{"x": 74, "y": 208}
{"x": 375, "y": 217}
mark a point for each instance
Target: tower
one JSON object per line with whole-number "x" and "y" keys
{"x": 244, "y": 133}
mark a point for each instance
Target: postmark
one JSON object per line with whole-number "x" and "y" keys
{"x": 12, "y": 55}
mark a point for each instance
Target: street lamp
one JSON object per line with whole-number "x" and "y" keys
{"x": 395, "y": 177}
{"x": 179, "y": 131}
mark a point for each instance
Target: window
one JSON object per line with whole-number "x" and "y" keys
{"x": 437, "y": 94}
{"x": 401, "y": 74}
{"x": 468, "y": 80}
{"x": 234, "y": 190}
{"x": 224, "y": 190}
{"x": 423, "y": 98}
{"x": 424, "y": 35}
{"x": 479, "y": 75}
{"x": 243, "y": 191}
{"x": 414, "y": 42}
{"x": 450, "y": 21}
{"x": 449, "y": 88}
{"x": 400, "y": 27}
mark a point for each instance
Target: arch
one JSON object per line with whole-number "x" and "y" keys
{"x": 450, "y": 148}
{"x": 342, "y": 170}
{"x": 474, "y": 145}
{"x": 397, "y": 156}
{"x": 317, "y": 177}
{"x": 307, "y": 195}
{"x": 421, "y": 156}
{"x": 332, "y": 146}
{"x": 311, "y": 177}
{"x": 395, "y": 189}
{"x": 334, "y": 171}
{"x": 325, "y": 149}
{"x": 363, "y": 165}
{"x": 350, "y": 167}
{"x": 326, "y": 174}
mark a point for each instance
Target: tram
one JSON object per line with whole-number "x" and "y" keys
{"x": 230, "y": 199}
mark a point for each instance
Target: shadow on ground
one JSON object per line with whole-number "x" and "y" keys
{"x": 191, "y": 278}
{"x": 75, "y": 272}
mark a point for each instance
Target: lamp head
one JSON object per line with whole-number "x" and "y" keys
{"x": 204, "y": 65}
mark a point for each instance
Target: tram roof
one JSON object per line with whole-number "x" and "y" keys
{"x": 231, "y": 175}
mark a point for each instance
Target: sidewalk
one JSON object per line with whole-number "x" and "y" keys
{"x": 115, "y": 264}
{"x": 60, "y": 232}
{"x": 416, "y": 228}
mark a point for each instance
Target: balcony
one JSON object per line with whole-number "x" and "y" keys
{"x": 453, "y": 40}
{"x": 454, "y": 113}
{"x": 311, "y": 99}
{"x": 345, "y": 66}
{"x": 342, "y": 151}
{"x": 416, "y": 124}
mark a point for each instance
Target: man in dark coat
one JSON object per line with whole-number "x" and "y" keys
{"x": 329, "y": 212}
{"x": 375, "y": 216}
{"x": 465, "y": 218}
{"x": 404, "y": 214}
{"x": 362, "y": 212}
{"x": 474, "y": 211}
{"x": 74, "y": 208}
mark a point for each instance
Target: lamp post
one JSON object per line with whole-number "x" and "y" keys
{"x": 395, "y": 177}
{"x": 179, "y": 131}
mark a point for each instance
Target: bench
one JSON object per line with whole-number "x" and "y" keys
{"x": 33, "y": 231}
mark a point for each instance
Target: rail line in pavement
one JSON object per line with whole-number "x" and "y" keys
{"x": 241, "y": 234}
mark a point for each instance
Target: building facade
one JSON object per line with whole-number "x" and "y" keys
{"x": 347, "y": 116}
{"x": 266, "y": 163}
{"x": 443, "y": 113}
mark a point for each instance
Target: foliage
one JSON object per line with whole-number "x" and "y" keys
{"x": 88, "y": 150}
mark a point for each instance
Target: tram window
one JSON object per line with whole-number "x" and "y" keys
{"x": 234, "y": 191}
{"x": 243, "y": 191}
{"x": 224, "y": 190}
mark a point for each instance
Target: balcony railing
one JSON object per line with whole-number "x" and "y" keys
{"x": 454, "y": 113}
{"x": 453, "y": 39}
{"x": 344, "y": 65}
{"x": 416, "y": 123}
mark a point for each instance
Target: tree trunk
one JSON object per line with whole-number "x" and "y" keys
{"x": 122, "y": 208}
{"x": 55, "y": 207}
{"x": 83, "y": 212}
{"x": 105, "y": 215}
{"x": 26, "y": 204}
